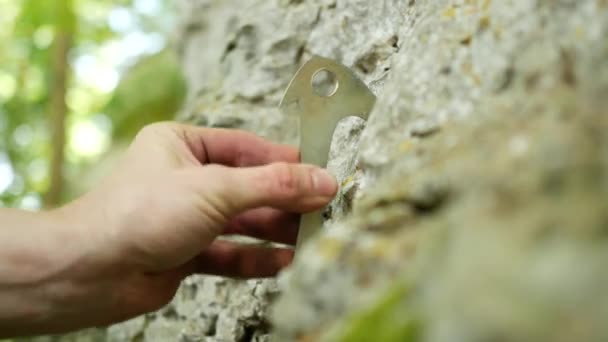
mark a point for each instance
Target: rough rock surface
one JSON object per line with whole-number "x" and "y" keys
{"x": 474, "y": 203}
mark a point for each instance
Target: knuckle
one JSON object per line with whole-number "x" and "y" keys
{"x": 156, "y": 129}
{"x": 153, "y": 128}
{"x": 285, "y": 181}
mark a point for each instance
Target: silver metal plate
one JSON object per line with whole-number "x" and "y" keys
{"x": 322, "y": 93}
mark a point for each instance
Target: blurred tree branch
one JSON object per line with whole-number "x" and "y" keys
{"x": 65, "y": 24}
{"x": 58, "y": 116}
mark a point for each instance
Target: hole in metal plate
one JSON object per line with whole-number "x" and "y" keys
{"x": 325, "y": 83}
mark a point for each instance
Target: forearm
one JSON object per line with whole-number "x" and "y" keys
{"x": 123, "y": 249}
{"x": 35, "y": 252}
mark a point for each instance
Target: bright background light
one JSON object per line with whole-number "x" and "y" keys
{"x": 130, "y": 30}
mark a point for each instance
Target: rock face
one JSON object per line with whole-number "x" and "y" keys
{"x": 474, "y": 202}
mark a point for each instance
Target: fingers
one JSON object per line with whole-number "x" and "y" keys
{"x": 266, "y": 224}
{"x": 290, "y": 187}
{"x": 229, "y": 259}
{"x": 234, "y": 148}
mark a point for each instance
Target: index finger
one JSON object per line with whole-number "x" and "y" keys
{"x": 229, "y": 259}
{"x": 235, "y": 148}
{"x": 265, "y": 224}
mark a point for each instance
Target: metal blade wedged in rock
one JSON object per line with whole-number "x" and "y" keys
{"x": 319, "y": 114}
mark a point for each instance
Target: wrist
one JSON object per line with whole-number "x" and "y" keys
{"x": 38, "y": 252}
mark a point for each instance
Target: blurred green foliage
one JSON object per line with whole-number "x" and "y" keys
{"x": 121, "y": 75}
{"x": 129, "y": 110}
{"x": 388, "y": 320}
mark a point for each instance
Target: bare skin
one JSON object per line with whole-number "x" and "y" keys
{"x": 122, "y": 249}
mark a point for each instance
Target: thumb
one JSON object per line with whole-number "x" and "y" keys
{"x": 290, "y": 187}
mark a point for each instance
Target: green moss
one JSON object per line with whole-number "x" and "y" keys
{"x": 388, "y": 320}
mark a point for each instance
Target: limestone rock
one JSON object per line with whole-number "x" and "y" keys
{"x": 474, "y": 201}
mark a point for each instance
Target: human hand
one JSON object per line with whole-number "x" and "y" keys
{"x": 155, "y": 221}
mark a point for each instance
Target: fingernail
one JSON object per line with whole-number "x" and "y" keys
{"x": 323, "y": 182}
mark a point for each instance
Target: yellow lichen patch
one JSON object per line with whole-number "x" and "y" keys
{"x": 467, "y": 69}
{"x": 580, "y": 32}
{"x": 406, "y": 146}
{"x": 484, "y": 22}
{"x": 347, "y": 181}
{"x": 330, "y": 248}
{"x": 449, "y": 12}
{"x": 498, "y": 31}
{"x": 486, "y": 5}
